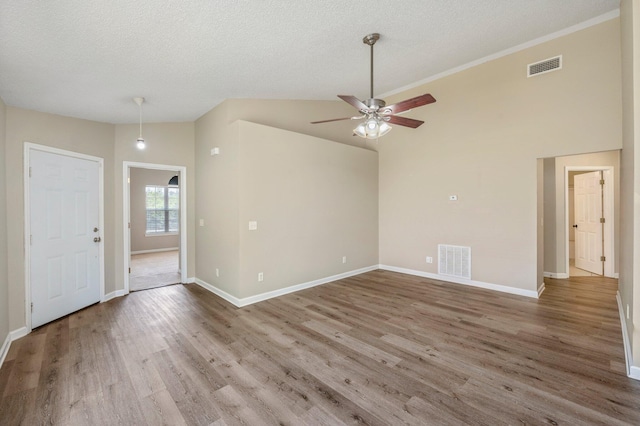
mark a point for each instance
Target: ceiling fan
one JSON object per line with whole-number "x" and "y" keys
{"x": 376, "y": 114}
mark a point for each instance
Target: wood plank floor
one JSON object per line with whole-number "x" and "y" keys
{"x": 378, "y": 348}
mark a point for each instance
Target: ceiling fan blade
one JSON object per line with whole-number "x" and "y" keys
{"x": 333, "y": 119}
{"x": 403, "y": 121}
{"x": 354, "y": 102}
{"x": 408, "y": 104}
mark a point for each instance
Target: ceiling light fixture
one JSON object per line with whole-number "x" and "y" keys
{"x": 376, "y": 113}
{"x": 140, "y": 144}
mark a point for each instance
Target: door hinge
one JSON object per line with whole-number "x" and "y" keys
{"x": 129, "y": 270}
{"x": 601, "y": 181}
{"x": 602, "y": 258}
{"x": 29, "y": 171}
{"x": 602, "y": 220}
{"x": 30, "y": 240}
{"x": 31, "y": 306}
{"x": 129, "y": 225}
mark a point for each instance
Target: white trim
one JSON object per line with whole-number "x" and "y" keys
{"x": 608, "y": 206}
{"x": 155, "y": 250}
{"x": 17, "y": 334}
{"x": 190, "y": 280}
{"x": 632, "y": 371}
{"x": 463, "y": 281}
{"x": 113, "y": 295}
{"x": 28, "y": 147}
{"x": 126, "y": 210}
{"x": 581, "y": 26}
{"x": 282, "y": 291}
{"x": 4, "y": 350}
{"x": 616, "y": 275}
{"x": 541, "y": 289}
{"x": 556, "y": 275}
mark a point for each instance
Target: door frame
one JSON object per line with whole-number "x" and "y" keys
{"x": 126, "y": 215}
{"x": 608, "y": 205}
{"x": 28, "y": 147}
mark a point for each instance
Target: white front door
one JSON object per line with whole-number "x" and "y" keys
{"x": 64, "y": 219}
{"x": 588, "y": 227}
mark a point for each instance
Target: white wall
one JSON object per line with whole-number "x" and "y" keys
{"x": 140, "y": 178}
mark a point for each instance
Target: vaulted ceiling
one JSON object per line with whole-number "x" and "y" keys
{"x": 89, "y": 58}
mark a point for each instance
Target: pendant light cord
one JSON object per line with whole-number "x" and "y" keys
{"x": 140, "y": 113}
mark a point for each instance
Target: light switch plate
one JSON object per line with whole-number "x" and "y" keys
{"x": 253, "y": 225}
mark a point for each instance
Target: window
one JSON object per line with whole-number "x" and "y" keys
{"x": 163, "y": 209}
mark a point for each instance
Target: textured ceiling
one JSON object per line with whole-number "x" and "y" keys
{"x": 89, "y": 58}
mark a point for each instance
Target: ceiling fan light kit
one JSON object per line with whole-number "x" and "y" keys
{"x": 376, "y": 113}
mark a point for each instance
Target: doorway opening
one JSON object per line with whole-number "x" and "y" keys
{"x": 589, "y": 201}
{"x": 155, "y": 225}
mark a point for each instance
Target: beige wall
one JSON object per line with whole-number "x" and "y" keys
{"x": 4, "y": 283}
{"x": 169, "y": 144}
{"x": 629, "y": 282}
{"x": 549, "y": 222}
{"x": 481, "y": 142}
{"x": 140, "y": 178}
{"x": 72, "y": 134}
{"x": 296, "y": 115}
{"x": 285, "y": 181}
{"x": 555, "y": 245}
{"x": 315, "y": 201}
{"x": 217, "y": 241}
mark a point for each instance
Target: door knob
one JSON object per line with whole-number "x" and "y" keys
{"x": 97, "y": 239}
{"x": 575, "y": 226}
{"x": 95, "y": 229}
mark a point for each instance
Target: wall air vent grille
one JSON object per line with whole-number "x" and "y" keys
{"x": 454, "y": 261}
{"x": 542, "y": 67}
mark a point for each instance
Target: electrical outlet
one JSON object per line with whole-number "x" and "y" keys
{"x": 217, "y": 272}
{"x": 253, "y": 225}
{"x": 260, "y": 276}
{"x": 344, "y": 259}
{"x": 201, "y": 222}
{"x": 429, "y": 259}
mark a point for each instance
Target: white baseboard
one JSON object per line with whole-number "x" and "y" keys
{"x": 155, "y": 250}
{"x": 21, "y": 332}
{"x": 541, "y": 288}
{"x": 4, "y": 350}
{"x": 113, "y": 295}
{"x": 556, "y": 275}
{"x": 13, "y": 335}
{"x": 464, "y": 281}
{"x": 616, "y": 275}
{"x": 191, "y": 280}
{"x": 632, "y": 371}
{"x": 282, "y": 291}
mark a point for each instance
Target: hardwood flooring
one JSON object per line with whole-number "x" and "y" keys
{"x": 379, "y": 348}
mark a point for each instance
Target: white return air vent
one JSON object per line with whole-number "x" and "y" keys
{"x": 454, "y": 261}
{"x": 543, "y": 67}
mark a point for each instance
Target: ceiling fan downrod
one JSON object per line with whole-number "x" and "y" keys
{"x": 371, "y": 40}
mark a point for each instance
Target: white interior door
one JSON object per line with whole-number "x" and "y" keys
{"x": 588, "y": 228}
{"x": 64, "y": 220}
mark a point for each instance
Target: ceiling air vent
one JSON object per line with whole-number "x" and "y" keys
{"x": 545, "y": 66}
